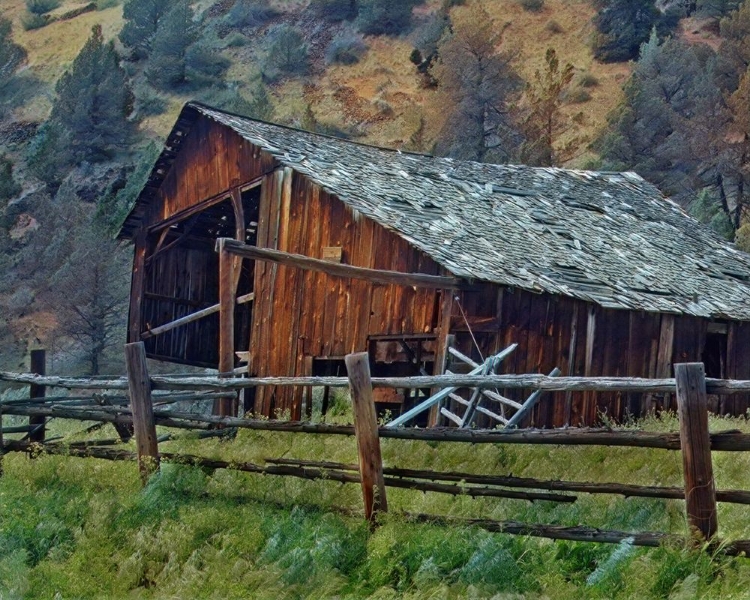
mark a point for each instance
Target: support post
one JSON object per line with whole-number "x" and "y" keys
{"x": 366, "y": 431}
{"x": 139, "y": 385}
{"x": 38, "y": 367}
{"x": 227, "y": 406}
{"x": 692, "y": 409}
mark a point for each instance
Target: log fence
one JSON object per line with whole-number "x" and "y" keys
{"x": 140, "y": 402}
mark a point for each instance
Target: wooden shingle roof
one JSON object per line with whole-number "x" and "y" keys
{"x": 607, "y": 238}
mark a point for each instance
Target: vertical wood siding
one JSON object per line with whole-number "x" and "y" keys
{"x": 298, "y": 315}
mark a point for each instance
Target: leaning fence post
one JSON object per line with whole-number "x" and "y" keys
{"x": 366, "y": 431}
{"x": 227, "y": 406}
{"x": 692, "y": 409}
{"x": 139, "y": 385}
{"x": 38, "y": 367}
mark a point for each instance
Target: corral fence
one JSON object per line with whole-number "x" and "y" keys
{"x": 136, "y": 404}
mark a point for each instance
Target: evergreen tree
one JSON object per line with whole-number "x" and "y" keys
{"x": 90, "y": 116}
{"x": 167, "y": 67}
{"x": 142, "y": 18}
{"x": 477, "y": 84}
{"x": 8, "y": 185}
{"x": 335, "y": 10}
{"x": 11, "y": 54}
{"x": 622, "y": 26}
{"x": 679, "y": 130}
{"x": 287, "y": 53}
{"x": 385, "y": 17}
{"x": 542, "y": 123}
{"x": 260, "y": 106}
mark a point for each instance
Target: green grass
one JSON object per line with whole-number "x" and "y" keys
{"x": 83, "y": 528}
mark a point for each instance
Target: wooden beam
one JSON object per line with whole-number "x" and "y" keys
{"x": 227, "y": 291}
{"x": 192, "y": 317}
{"x": 137, "y": 285}
{"x": 341, "y": 270}
{"x": 141, "y": 406}
{"x": 204, "y": 204}
{"x": 366, "y": 432}
{"x": 692, "y": 409}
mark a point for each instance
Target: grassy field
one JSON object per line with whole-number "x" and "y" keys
{"x": 83, "y": 528}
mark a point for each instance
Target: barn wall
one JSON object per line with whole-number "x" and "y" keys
{"x": 554, "y": 331}
{"x": 211, "y": 160}
{"x": 303, "y": 314}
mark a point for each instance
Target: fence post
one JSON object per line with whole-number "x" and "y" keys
{"x": 692, "y": 409}
{"x": 227, "y": 406}
{"x": 38, "y": 367}
{"x": 366, "y": 431}
{"x": 139, "y": 385}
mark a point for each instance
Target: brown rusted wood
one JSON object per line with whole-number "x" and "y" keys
{"x": 137, "y": 280}
{"x": 728, "y": 441}
{"x": 629, "y": 491}
{"x": 227, "y": 298}
{"x": 141, "y": 406}
{"x": 692, "y": 409}
{"x": 368, "y": 442}
{"x": 39, "y": 367}
{"x": 342, "y": 270}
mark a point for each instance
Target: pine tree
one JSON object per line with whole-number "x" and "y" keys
{"x": 142, "y": 18}
{"x": 287, "y": 53}
{"x": 622, "y": 26}
{"x": 90, "y": 115}
{"x": 542, "y": 124}
{"x": 167, "y": 66}
{"x": 477, "y": 84}
{"x": 93, "y": 103}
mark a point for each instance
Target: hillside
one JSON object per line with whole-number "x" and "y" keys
{"x": 380, "y": 96}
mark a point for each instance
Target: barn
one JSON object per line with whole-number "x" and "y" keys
{"x": 594, "y": 273}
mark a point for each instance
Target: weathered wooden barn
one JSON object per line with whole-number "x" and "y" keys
{"x": 594, "y": 273}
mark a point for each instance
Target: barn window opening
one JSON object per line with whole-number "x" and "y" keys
{"x": 714, "y": 355}
{"x": 181, "y": 278}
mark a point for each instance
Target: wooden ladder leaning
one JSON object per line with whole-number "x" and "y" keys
{"x": 505, "y": 412}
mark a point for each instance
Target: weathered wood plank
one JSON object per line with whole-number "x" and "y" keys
{"x": 343, "y": 270}
{"x": 366, "y": 432}
{"x": 692, "y": 409}
{"x": 38, "y": 366}
{"x": 141, "y": 406}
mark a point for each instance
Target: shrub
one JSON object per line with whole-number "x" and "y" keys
{"x": 384, "y": 17}
{"x": 577, "y": 96}
{"x": 41, "y": 7}
{"x": 250, "y": 13}
{"x": 105, "y": 4}
{"x": 742, "y": 238}
{"x": 32, "y": 21}
{"x": 148, "y": 102}
{"x": 532, "y": 5}
{"x": 202, "y": 63}
{"x": 588, "y": 80}
{"x": 345, "y": 49}
{"x": 287, "y": 53}
{"x": 334, "y": 10}
{"x": 9, "y": 188}
{"x": 554, "y": 27}
{"x": 235, "y": 40}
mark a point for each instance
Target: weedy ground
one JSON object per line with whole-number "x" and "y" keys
{"x": 84, "y": 528}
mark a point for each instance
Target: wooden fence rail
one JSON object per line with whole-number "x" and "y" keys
{"x": 532, "y": 382}
{"x": 694, "y": 440}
